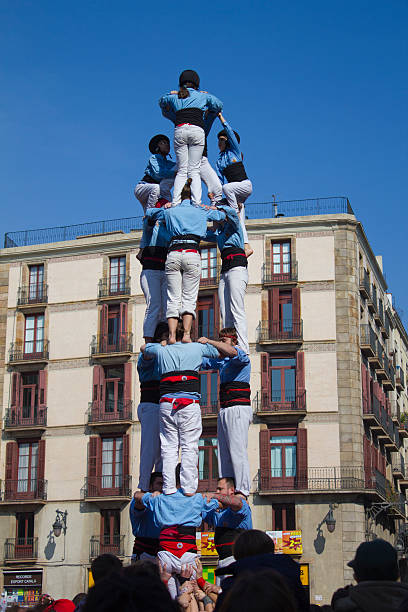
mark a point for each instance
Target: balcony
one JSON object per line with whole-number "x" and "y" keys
{"x": 399, "y": 379}
{"x": 386, "y": 373}
{"x": 321, "y": 479}
{"x": 287, "y": 331}
{"x": 33, "y": 295}
{"x": 368, "y": 340}
{"x": 270, "y": 408}
{"x": 381, "y": 423}
{"x": 111, "y": 415}
{"x": 22, "y": 425}
{"x": 24, "y": 491}
{"x": 377, "y": 360}
{"x": 21, "y": 550}
{"x": 403, "y": 428}
{"x": 364, "y": 284}
{"x": 104, "y": 489}
{"x": 22, "y": 353}
{"x": 209, "y": 408}
{"x": 213, "y": 279}
{"x": 270, "y": 277}
{"x": 398, "y": 465}
{"x": 101, "y": 545}
{"x": 106, "y": 345}
{"x": 114, "y": 287}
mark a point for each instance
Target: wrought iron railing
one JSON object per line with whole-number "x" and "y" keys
{"x": 36, "y": 293}
{"x": 212, "y": 279}
{"x": 269, "y": 276}
{"x": 22, "y": 490}
{"x": 20, "y": 548}
{"x": 400, "y": 377}
{"x": 14, "y": 418}
{"x": 398, "y": 463}
{"x": 265, "y": 402}
{"x": 285, "y": 330}
{"x": 106, "y": 344}
{"x": 209, "y": 407}
{"x": 110, "y": 411}
{"x": 29, "y": 351}
{"x": 114, "y": 285}
{"x": 365, "y": 281}
{"x": 103, "y": 486}
{"x": 368, "y": 337}
{"x": 389, "y": 370}
{"x": 111, "y": 544}
{"x": 207, "y": 480}
{"x": 298, "y": 208}
{"x": 312, "y": 479}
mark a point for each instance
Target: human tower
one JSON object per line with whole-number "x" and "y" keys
{"x": 166, "y": 511}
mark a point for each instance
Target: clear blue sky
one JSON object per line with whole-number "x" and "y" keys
{"x": 317, "y": 90}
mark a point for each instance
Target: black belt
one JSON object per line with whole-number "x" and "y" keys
{"x": 187, "y": 381}
{"x": 224, "y": 538}
{"x": 233, "y": 257}
{"x": 235, "y": 172}
{"x": 150, "y": 391}
{"x": 154, "y": 258}
{"x": 148, "y": 179}
{"x": 193, "y": 116}
{"x": 235, "y": 394}
{"x": 186, "y": 241}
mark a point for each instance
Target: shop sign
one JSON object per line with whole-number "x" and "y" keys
{"x": 287, "y": 542}
{"x": 23, "y": 579}
{"x": 304, "y": 574}
{"x": 205, "y": 544}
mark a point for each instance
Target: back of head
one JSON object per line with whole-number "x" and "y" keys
{"x": 375, "y": 560}
{"x": 104, "y": 565}
{"x": 263, "y": 591}
{"x": 251, "y": 543}
{"x": 78, "y": 598}
{"x": 179, "y": 331}
{"x": 142, "y": 568}
{"x": 161, "y": 332}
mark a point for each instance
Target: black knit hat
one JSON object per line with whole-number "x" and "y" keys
{"x": 155, "y": 141}
{"x": 189, "y": 76}
{"x": 224, "y": 133}
{"x": 375, "y": 560}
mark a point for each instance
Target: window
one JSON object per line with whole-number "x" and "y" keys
{"x": 114, "y": 386}
{"x": 112, "y": 463}
{"x": 281, "y": 259}
{"x": 283, "y": 457}
{"x": 34, "y": 334}
{"x": 29, "y": 388}
{"x": 207, "y": 319}
{"x": 27, "y": 467}
{"x": 111, "y": 393}
{"x": 24, "y": 535}
{"x": 117, "y": 278}
{"x": 36, "y": 283}
{"x": 283, "y": 517}
{"x": 284, "y": 313}
{"x": 208, "y": 461}
{"x": 283, "y": 379}
{"x": 110, "y": 532}
{"x": 283, "y": 382}
{"x": 209, "y": 392}
{"x": 208, "y": 263}
{"x": 113, "y": 336}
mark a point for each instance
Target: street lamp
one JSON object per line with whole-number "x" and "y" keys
{"x": 329, "y": 519}
{"x": 60, "y": 524}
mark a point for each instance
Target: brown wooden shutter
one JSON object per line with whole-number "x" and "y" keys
{"x": 103, "y": 328}
{"x": 369, "y": 389}
{"x": 11, "y": 461}
{"x": 300, "y": 380}
{"x": 296, "y": 305}
{"x": 274, "y": 306}
{"x": 127, "y": 387}
{"x": 367, "y": 462}
{"x": 123, "y": 319}
{"x": 42, "y": 389}
{"x": 98, "y": 389}
{"x": 302, "y": 482}
{"x": 94, "y": 465}
{"x": 364, "y": 387}
{"x": 265, "y": 382}
{"x": 41, "y": 464}
{"x": 15, "y": 395}
{"x": 126, "y": 466}
{"x": 265, "y": 460}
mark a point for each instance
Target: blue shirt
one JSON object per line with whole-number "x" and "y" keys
{"x": 242, "y": 519}
{"x": 230, "y": 234}
{"x": 159, "y": 167}
{"x": 232, "y": 369}
{"x": 147, "y": 369}
{"x": 196, "y": 99}
{"x": 143, "y": 524}
{"x": 231, "y": 155}
{"x": 178, "y": 509}
{"x": 156, "y": 235}
{"x": 178, "y": 357}
{"x": 186, "y": 218}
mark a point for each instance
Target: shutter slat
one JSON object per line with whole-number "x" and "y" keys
{"x": 265, "y": 459}
{"x": 265, "y": 386}
{"x": 42, "y": 388}
{"x": 296, "y": 304}
{"x": 302, "y": 459}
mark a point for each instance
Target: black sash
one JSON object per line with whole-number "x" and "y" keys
{"x": 235, "y": 394}
{"x": 154, "y": 258}
{"x": 232, "y": 257}
{"x": 188, "y": 241}
{"x": 235, "y": 173}
{"x": 150, "y": 391}
{"x": 187, "y": 381}
{"x": 193, "y": 116}
{"x": 150, "y": 546}
{"x": 148, "y": 179}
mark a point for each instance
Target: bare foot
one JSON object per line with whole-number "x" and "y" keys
{"x": 248, "y": 250}
{"x": 188, "y": 494}
{"x": 186, "y": 337}
{"x": 172, "y": 339}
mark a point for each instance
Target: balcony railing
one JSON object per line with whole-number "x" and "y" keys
{"x": 207, "y": 480}
{"x": 114, "y": 285}
{"x": 381, "y": 421}
{"x": 264, "y": 402}
{"x": 364, "y": 283}
{"x": 287, "y": 330}
{"x": 387, "y": 373}
{"x": 368, "y": 340}
{"x": 108, "y": 344}
{"x": 212, "y": 279}
{"x": 16, "y": 549}
{"x": 312, "y": 479}
{"x": 107, "y": 486}
{"x": 37, "y": 418}
{"x": 111, "y": 411}
{"x": 400, "y": 378}
{"x": 36, "y": 293}
{"x": 271, "y": 277}
{"x": 25, "y": 490}
{"x": 100, "y": 545}
{"x": 209, "y": 408}
{"x": 398, "y": 464}
{"x": 29, "y": 351}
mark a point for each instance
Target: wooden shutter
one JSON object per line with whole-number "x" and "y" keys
{"x": 94, "y": 465}
{"x": 300, "y": 380}
{"x": 15, "y": 395}
{"x": 274, "y": 307}
{"x": 296, "y": 305}
{"x": 301, "y": 459}
{"x": 367, "y": 462}
{"x": 364, "y": 387}
{"x": 265, "y": 460}
{"x": 98, "y": 389}
{"x": 265, "y": 382}
{"x": 103, "y": 328}
{"x": 42, "y": 389}
{"x": 126, "y": 466}
{"x": 11, "y": 465}
{"x": 127, "y": 387}
{"x": 123, "y": 319}
{"x": 41, "y": 490}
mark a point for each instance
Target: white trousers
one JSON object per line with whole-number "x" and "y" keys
{"x": 232, "y": 427}
{"x": 173, "y": 564}
{"x": 150, "y": 455}
{"x": 224, "y": 563}
{"x": 180, "y": 429}
{"x": 183, "y": 272}
{"x": 236, "y": 194}
{"x": 231, "y": 294}
{"x": 154, "y": 287}
{"x": 188, "y": 147}
{"x": 210, "y": 178}
{"x": 149, "y": 193}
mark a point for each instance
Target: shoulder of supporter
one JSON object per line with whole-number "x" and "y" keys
{"x": 152, "y": 349}
{"x": 208, "y": 350}
{"x": 149, "y": 501}
{"x": 242, "y": 356}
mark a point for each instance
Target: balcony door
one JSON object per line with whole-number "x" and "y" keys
{"x": 34, "y": 335}
{"x": 283, "y": 381}
{"x": 283, "y": 460}
{"x": 117, "y": 277}
{"x": 114, "y": 390}
{"x": 24, "y": 535}
{"x": 208, "y": 264}
{"x": 112, "y": 465}
{"x": 281, "y": 261}
{"x": 27, "y": 474}
{"x": 209, "y": 391}
{"x": 110, "y": 532}
{"x": 36, "y": 284}
{"x": 29, "y": 398}
{"x": 208, "y": 461}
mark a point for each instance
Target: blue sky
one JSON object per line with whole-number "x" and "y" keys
{"x": 317, "y": 90}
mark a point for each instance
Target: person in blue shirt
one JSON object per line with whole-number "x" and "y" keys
{"x": 144, "y": 528}
{"x": 187, "y": 225}
{"x": 159, "y": 175}
{"x": 235, "y": 415}
{"x": 236, "y": 185}
{"x": 234, "y": 273}
{"x": 189, "y": 105}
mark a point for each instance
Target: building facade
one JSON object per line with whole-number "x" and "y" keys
{"x": 329, "y": 357}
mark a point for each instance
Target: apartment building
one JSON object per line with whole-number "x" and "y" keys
{"x": 329, "y": 358}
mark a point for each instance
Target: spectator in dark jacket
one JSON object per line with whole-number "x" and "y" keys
{"x": 376, "y": 572}
{"x": 254, "y": 551}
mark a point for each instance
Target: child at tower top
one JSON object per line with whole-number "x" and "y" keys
{"x": 159, "y": 175}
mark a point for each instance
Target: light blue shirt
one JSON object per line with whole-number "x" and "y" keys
{"x": 231, "y": 155}
{"x": 242, "y": 519}
{"x": 196, "y": 99}
{"x": 156, "y": 235}
{"x": 143, "y": 524}
{"x": 159, "y": 167}
{"x": 178, "y": 509}
{"x": 230, "y": 234}
{"x": 185, "y": 218}
{"x": 232, "y": 369}
{"x": 147, "y": 369}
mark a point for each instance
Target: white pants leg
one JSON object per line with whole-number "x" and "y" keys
{"x": 174, "y": 279}
{"x": 173, "y": 564}
{"x": 225, "y": 467}
{"x": 150, "y": 455}
{"x": 236, "y": 194}
{"x": 188, "y": 146}
{"x": 147, "y": 194}
{"x": 183, "y": 271}
{"x": 165, "y": 188}
{"x": 234, "y": 424}
{"x": 210, "y": 178}
{"x": 154, "y": 287}
{"x": 224, "y": 563}
{"x": 231, "y": 292}
{"x": 180, "y": 428}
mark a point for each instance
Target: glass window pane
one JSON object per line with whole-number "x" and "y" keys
{"x": 276, "y": 390}
{"x": 276, "y": 248}
{"x": 286, "y": 247}
{"x": 203, "y": 389}
{"x": 283, "y": 439}
{"x": 283, "y": 362}
{"x": 276, "y": 462}
{"x": 290, "y": 385}
{"x": 290, "y": 461}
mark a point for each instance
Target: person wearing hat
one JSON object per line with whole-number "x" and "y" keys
{"x": 186, "y": 108}
{"x": 159, "y": 174}
{"x": 376, "y": 572}
{"x": 230, "y": 168}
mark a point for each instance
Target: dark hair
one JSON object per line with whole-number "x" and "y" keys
{"x": 229, "y": 480}
{"x": 252, "y": 542}
{"x": 78, "y": 598}
{"x": 229, "y": 331}
{"x": 179, "y": 330}
{"x": 161, "y": 332}
{"x": 104, "y": 565}
{"x": 142, "y": 568}
{"x": 263, "y": 591}
{"x": 183, "y": 91}
{"x": 129, "y": 592}
{"x": 153, "y": 477}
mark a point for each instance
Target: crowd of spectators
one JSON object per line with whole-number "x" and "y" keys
{"x": 259, "y": 580}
